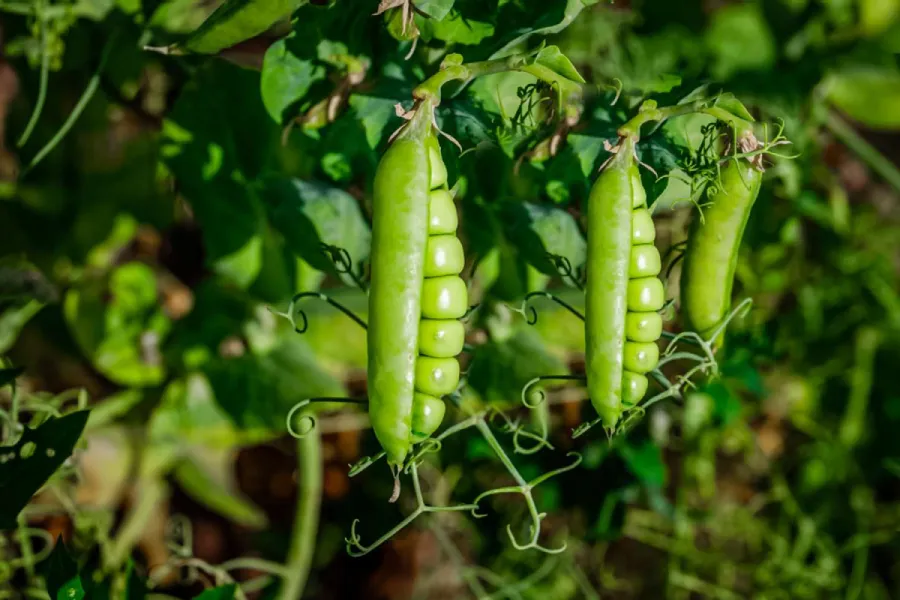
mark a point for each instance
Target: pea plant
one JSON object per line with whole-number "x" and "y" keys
{"x": 519, "y": 242}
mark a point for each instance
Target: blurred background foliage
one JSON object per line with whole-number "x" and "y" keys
{"x": 142, "y": 249}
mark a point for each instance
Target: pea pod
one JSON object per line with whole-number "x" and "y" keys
{"x": 236, "y": 21}
{"x": 710, "y": 259}
{"x": 416, "y": 296}
{"x": 624, "y": 293}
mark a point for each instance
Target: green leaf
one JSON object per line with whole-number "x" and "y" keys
{"x": 729, "y": 102}
{"x": 645, "y": 461}
{"x": 728, "y": 407}
{"x": 310, "y": 214}
{"x": 215, "y": 149}
{"x": 374, "y": 108}
{"x": 27, "y": 465}
{"x": 60, "y": 572}
{"x": 556, "y": 61}
{"x": 8, "y": 376}
{"x": 467, "y": 122}
{"x": 119, "y": 325}
{"x": 224, "y": 592}
{"x": 286, "y": 78}
{"x": 236, "y": 21}
{"x": 502, "y": 368}
{"x": 739, "y": 39}
{"x": 456, "y": 29}
{"x": 13, "y": 319}
{"x": 436, "y": 9}
{"x": 258, "y": 390}
{"x": 519, "y": 21}
{"x": 189, "y": 414}
{"x": 207, "y": 476}
{"x": 870, "y": 96}
{"x": 538, "y": 231}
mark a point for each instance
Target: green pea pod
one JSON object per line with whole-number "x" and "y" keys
{"x": 416, "y": 296}
{"x": 710, "y": 259}
{"x": 236, "y": 21}
{"x": 624, "y": 293}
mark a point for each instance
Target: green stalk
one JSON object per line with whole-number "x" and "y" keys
{"x": 859, "y": 146}
{"x": 306, "y": 519}
{"x": 854, "y": 421}
{"x": 430, "y": 89}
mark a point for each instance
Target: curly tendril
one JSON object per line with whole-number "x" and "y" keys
{"x": 543, "y": 395}
{"x": 342, "y": 262}
{"x": 525, "y": 488}
{"x": 532, "y": 317}
{"x": 704, "y": 363}
{"x": 564, "y": 267}
{"x": 309, "y": 420}
{"x": 294, "y": 311}
{"x": 505, "y": 424}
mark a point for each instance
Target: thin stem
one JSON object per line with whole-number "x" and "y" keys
{"x": 499, "y": 451}
{"x": 25, "y": 546}
{"x": 152, "y": 493}
{"x": 86, "y": 97}
{"x": 532, "y": 319}
{"x": 306, "y": 519}
{"x": 45, "y": 76}
{"x": 651, "y": 113}
{"x": 256, "y": 564}
{"x": 430, "y": 89}
{"x": 863, "y": 149}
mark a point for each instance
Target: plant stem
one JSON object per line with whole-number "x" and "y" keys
{"x": 430, "y": 89}
{"x": 306, "y": 519}
{"x": 85, "y": 99}
{"x": 854, "y": 421}
{"x": 649, "y": 113}
{"x": 150, "y": 492}
{"x": 859, "y": 146}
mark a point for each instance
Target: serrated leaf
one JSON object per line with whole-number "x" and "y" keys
{"x": 552, "y": 58}
{"x": 26, "y": 466}
{"x": 310, "y": 214}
